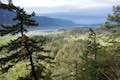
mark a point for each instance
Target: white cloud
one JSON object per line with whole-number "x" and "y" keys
{"x": 59, "y": 3}
{"x": 64, "y": 4}
{"x": 41, "y": 3}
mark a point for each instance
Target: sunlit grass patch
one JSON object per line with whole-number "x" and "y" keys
{"x": 6, "y": 39}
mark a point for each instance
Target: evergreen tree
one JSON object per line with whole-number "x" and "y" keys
{"x": 113, "y": 20}
{"x": 91, "y": 47}
{"x": 89, "y": 66}
{"x": 23, "y": 47}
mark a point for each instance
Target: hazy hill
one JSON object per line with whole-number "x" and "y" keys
{"x": 47, "y": 21}
{"x": 90, "y": 16}
{"x": 6, "y": 18}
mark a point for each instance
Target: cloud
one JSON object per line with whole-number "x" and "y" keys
{"x": 67, "y": 3}
{"x": 56, "y": 5}
{"x": 41, "y": 3}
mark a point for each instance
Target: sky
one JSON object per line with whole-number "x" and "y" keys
{"x": 63, "y": 5}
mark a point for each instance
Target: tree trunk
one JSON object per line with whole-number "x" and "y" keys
{"x": 31, "y": 63}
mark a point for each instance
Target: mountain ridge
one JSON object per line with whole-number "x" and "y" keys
{"x": 44, "y": 21}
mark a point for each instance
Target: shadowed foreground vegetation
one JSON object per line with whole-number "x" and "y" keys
{"x": 75, "y": 52}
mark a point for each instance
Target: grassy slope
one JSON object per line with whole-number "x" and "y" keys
{"x": 67, "y": 46}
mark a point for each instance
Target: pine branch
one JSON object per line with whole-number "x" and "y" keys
{"x": 5, "y": 69}
{"x": 13, "y": 45}
{"x": 16, "y": 55}
{"x": 8, "y": 7}
{"x": 42, "y": 57}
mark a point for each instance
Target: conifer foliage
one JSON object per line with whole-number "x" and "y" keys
{"x": 23, "y": 47}
{"x": 89, "y": 66}
{"x": 114, "y": 19}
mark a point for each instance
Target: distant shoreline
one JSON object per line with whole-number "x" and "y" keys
{"x": 57, "y": 28}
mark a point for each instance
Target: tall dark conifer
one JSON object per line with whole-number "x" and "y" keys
{"x": 89, "y": 65}
{"x": 23, "y": 47}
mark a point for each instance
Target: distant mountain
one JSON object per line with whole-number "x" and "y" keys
{"x": 6, "y": 18}
{"x": 47, "y": 21}
{"x": 88, "y": 16}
